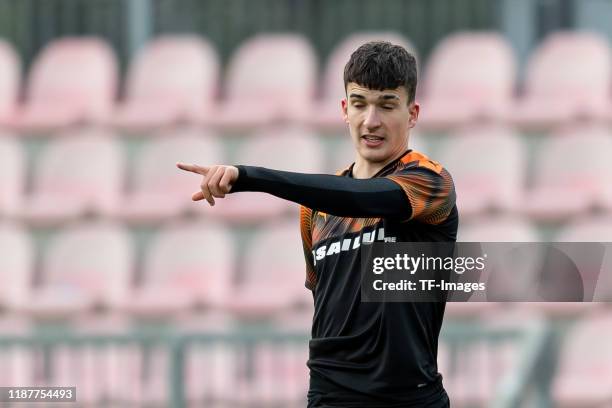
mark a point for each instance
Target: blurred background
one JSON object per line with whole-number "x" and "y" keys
{"x": 113, "y": 281}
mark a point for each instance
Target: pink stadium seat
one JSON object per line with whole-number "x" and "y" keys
{"x": 326, "y": 112}
{"x": 584, "y": 375}
{"x": 186, "y": 265}
{"x": 16, "y": 266}
{"x": 587, "y": 229}
{"x": 482, "y": 368}
{"x": 85, "y": 266}
{"x": 473, "y": 383}
{"x": 77, "y": 174}
{"x": 483, "y": 181}
{"x": 151, "y": 386}
{"x": 73, "y": 80}
{"x": 212, "y": 368}
{"x": 94, "y": 370}
{"x": 272, "y": 284}
{"x": 280, "y": 375}
{"x": 281, "y": 148}
{"x": 573, "y": 174}
{"x": 17, "y": 362}
{"x": 498, "y": 229}
{"x": 593, "y": 229}
{"x": 112, "y": 373}
{"x": 270, "y": 77}
{"x": 470, "y": 76}
{"x": 172, "y": 79}
{"x": 103, "y": 373}
{"x": 158, "y": 189}
{"x": 568, "y": 77}
{"x": 489, "y": 229}
{"x": 10, "y": 81}
{"x": 12, "y": 175}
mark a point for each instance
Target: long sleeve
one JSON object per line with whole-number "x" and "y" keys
{"x": 340, "y": 196}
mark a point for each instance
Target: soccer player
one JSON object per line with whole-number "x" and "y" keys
{"x": 364, "y": 354}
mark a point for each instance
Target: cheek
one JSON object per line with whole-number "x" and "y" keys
{"x": 353, "y": 120}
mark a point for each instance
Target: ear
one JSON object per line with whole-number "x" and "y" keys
{"x": 344, "y": 104}
{"x": 414, "y": 109}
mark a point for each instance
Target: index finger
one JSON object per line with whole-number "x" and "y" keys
{"x": 194, "y": 168}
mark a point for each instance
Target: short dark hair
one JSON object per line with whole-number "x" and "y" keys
{"x": 381, "y": 65}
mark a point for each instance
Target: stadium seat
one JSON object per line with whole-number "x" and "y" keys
{"x": 187, "y": 265}
{"x": 72, "y": 81}
{"x": 10, "y": 82}
{"x": 172, "y": 79}
{"x": 86, "y": 267}
{"x": 281, "y": 148}
{"x": 272, "y": 284}
{"x": 593, "y": 229}
{"x": 584, "y": 375}
{"x": 280, "y": 375}
{"x": 498, "y": 229}
{"x": 482, "y": 367}
{"x": 78, "y": 174}
{"x": 12, "y": 175}
{"x": 326, "y": 111}
{"x": 573, "y": 174}
{"x": 110, "y": 373}
{"x": 16, "y": 266}
{"x": 568, "y": 78}
{"x": 211, "y": 367}
{"x": 501, "y": 228}
{"x": 17, "y": 361}
{"x": 158, "y": 189}
{"x": 470, "y": 76}
{"x": 587, "y": 229}
{"x": 271, "y": 77}
{"x": 484, "y": 182}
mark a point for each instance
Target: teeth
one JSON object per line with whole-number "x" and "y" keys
{"x": 373, "y": 138}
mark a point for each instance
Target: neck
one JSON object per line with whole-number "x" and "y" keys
{"x": 365, "y": 169}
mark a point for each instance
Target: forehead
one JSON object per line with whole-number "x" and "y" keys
{"x": 356, "y": 90}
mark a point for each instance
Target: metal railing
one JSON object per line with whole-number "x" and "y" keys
{"x": 510, "y": 391}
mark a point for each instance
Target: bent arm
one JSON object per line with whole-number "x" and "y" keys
{"x": 340, "y": 196}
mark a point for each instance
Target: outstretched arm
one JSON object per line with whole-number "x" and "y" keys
{"x": 341, "y": 196}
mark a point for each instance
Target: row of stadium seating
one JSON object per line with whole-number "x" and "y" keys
{"x": 194, "y": 264}
{"x": 470, "y": 76}
{"x": 264, "y": 374}
{"x": 92, "y": 172}
{"x": 186, "y": 266}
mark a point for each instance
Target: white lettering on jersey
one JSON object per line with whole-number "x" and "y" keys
{"x": 321, "y": 252}
{"x": 344, "y": 245}
{"x": 357, "y": 243}
{"x": 334, "y": 248}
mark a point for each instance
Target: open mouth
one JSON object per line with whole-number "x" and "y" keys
{"x": 372, "y": 140}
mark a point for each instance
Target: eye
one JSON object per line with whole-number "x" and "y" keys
{"x": 388, "y": 107}
{"x": 358, "y": 105}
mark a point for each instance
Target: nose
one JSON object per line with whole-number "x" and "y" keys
{"x": 372, "y": 121}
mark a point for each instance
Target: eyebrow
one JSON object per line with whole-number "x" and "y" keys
{"x": 383, "y": 97}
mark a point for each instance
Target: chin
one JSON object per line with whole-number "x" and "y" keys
{"x": 375, "y": 155}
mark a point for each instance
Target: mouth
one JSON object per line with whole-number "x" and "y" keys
{"x": 372, "y": 140}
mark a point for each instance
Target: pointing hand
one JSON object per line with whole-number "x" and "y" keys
{"x": 216, "y": 182}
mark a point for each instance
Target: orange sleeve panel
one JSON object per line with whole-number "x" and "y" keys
{"x": 430, "y": 190}
{"x": 306, "y": 231}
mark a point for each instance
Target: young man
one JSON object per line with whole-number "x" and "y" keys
{"x": 364, "y": 354}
